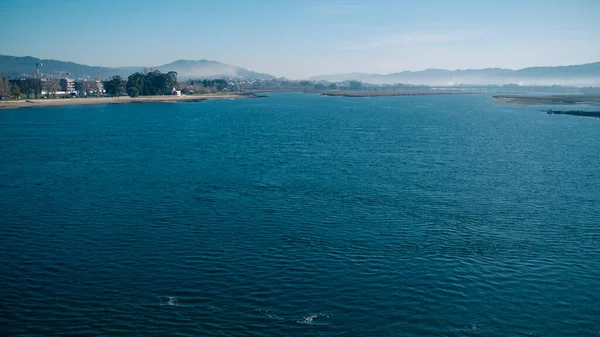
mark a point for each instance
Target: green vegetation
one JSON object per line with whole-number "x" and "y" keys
{"x": 86, "y": 87}
{"x": 133, "y": 92}
{"x": 4, "y": 86}
{"x": 51, "y": 85}
{"x": 15, "y": 91}
{"x": 114, "y": 86}
{"x": 205, "y": 85}
{"x": 152, "y": 83}
{"x": 29, "y": 86}
{"x": 355, "y": 85}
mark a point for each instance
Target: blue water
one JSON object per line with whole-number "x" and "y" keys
{"x": 300, "y": 215}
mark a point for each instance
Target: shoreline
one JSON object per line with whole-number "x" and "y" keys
{"x": 595, "y": 114}
{"x": 33, "y": 103}
{"x": 365, "y": 93}
{"x": 549, "y": 100}
{"x": 390, "y": 93}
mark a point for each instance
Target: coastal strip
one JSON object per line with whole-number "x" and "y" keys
{"x": 30, "y": 103}
{"x": 391, "y": 93}
{"x": 549, "y": 100}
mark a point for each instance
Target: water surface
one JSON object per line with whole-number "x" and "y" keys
{"x": 300, "y": 215}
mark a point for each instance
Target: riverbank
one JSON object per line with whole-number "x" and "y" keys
{"x": 30, "y": 103}
{"x": 389, "y": 93}
{"x": 548, "y": 100}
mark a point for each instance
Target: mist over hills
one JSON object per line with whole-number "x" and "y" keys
{"x": 578, "y": 75}
{"x": 210, "y": 69}
{"x": 584, "y": 74}
{"x": 25, "y": 66}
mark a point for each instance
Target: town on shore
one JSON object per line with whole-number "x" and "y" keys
{"x": 152, "y": 85}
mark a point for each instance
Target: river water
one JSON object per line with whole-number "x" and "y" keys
{"x": 300, "y": 215}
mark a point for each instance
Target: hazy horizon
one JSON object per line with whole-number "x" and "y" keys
{"x": 299, "y": 40}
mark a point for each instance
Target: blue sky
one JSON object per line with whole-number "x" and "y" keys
{"x": 298, "y": 39}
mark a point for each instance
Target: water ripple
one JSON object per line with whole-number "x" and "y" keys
{"x": 299, "y": 215}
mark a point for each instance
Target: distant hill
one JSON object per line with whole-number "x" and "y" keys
{"x": 210, "y": 69}
{"x": 584, "y": 74}
{"x": 25, "y": 66}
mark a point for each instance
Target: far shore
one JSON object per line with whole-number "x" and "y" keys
{"x": 549, "y": 100}
{"x": 390, "y": 93}
{"x": 30, "y": 103}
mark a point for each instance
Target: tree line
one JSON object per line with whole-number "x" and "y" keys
{"x": 218, "y": 84}
{"x": 20, "y": 87}
{"x": 28, "y": 87}
{"x": 138, "y": 84}
{"x": 4, "y": 86}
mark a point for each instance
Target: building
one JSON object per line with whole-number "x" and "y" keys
{"x": 67, "y": 84}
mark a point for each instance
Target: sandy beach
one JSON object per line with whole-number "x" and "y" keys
{"x": 30, "y": 103}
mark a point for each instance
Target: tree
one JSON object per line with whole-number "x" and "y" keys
{"x": 51, "y": 85}
{"x": 221, "y": 84}
{"x": 355, "y": 85}
{"x": 320, "y": 86}
{"x": 155, "y": 82}
{"x": 85, "y": 87}
{"x": 333, "y": 86}
{"x": 151, "y": 83}
{"x": 63, "y": 84}
{"x": 133, "y": 92}
{"x": 4, "y": 87}
{"x": 137, "y": 81}
{"x": 15, "y": 91}
{"x": 203, "y": 86}
{"x": 30, "y": 86}
{"x": 114, "y": 86}
{"x": 170, "y": 80}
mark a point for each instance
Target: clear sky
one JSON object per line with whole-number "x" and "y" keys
{"x": 298, "y": 39}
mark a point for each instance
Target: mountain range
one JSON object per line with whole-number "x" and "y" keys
{"x": 584, "y": 74}
{"x": 25, "y": 66}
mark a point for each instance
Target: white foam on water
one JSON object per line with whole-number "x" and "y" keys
{"x": 309, "y": 319}
{"x": 170, "y": 300}
{"x": 174, "y": 302}
{"x": 315, "y": 319}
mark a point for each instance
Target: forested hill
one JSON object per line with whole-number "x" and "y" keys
{"x": 210, "y": 69}
{"x": 584, "y": 74}
{"x": 25, "y": 66}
